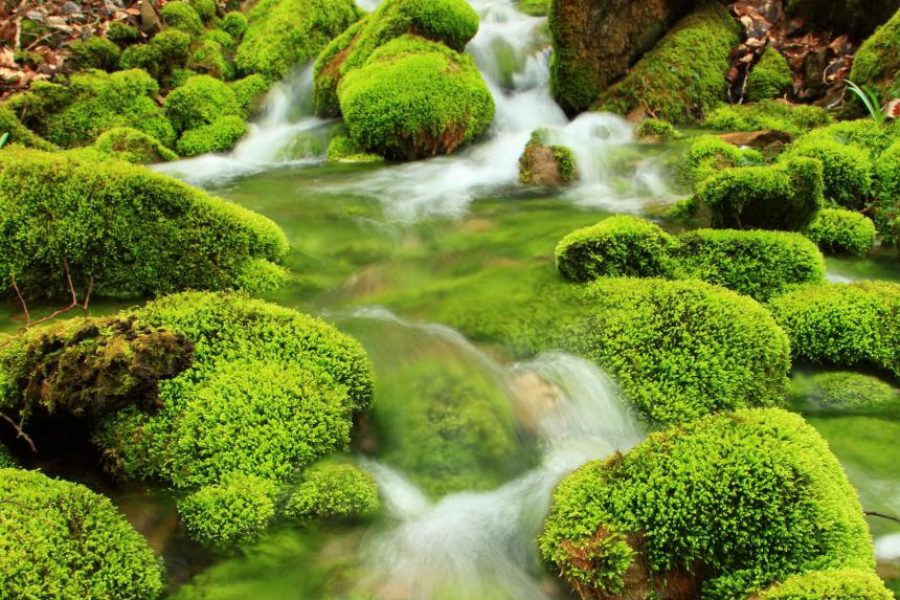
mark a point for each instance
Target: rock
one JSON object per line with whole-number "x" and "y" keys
{"x": 545, "y": 164}
{"x": 860, "y": 19}
{"x": 150, "y": 21}
{"x": 757, "y": 139}
{"x": 70, "y": 8}
{"x": 814, "y": 72}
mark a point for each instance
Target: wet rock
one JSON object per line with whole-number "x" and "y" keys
{"x": 546, "y": 164}
{"x": 768, "y": 140}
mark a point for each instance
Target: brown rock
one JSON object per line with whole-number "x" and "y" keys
{"x": 150, "y": 19}
{"x": 756, "y": 139}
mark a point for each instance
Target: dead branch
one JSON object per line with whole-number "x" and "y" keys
{"x": 19, "y": 433}
{"x": 870, "y": 513}
{"x": 21, "y": 299}
{"x": 73, "y": 294}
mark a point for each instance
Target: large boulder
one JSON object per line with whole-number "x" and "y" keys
{"x": 878, "y": 61}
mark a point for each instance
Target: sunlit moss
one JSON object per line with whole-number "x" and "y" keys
{"x": 770, "y": 77}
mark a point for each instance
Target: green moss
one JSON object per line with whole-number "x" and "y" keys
{"x": 210, "y": 58}
{"x": 270, "y": 392}
{"x": 886, "y": 210}
{"x": 235, "y": 24}
{"x": 61, "y": 540}
{"x": 250, "y": 92}
{"x": 201, "y": 101}
{"x": 724, "y": 506}
{"x": 333, "y": 490}
{"x": 221, "y": 37}
{"x": 6, "y": 459}
{"x": 219, "y": 136}
{"x": 853, "y": 325}
{"x": 133, "y": 231}
{"x": 865, "y": 133}
{"x": 535, "y": 8}
{"x": 656, "y": 130}
{"x": 233, "y": 512}
{"x": 206, "y": 9}
{"x": 94, "y": 53}
{"x": 122, "y": 33}
{"x": 133, "y": 146}
{"x": 544, "y": 163}
{"x": 182, "y": 15}
{"x": 835, "y": 584}
{"x": 878, "y": 60}
{"x": 784, "y": 197}
{"x": 450, "y": 22}
{"x": 286, "y": 33}
{"x": 415, "y": 98}
{"x": 342, "y": 149}
{"x": 795, "y": 119}
{"x": 844, "y": 393}
{"x": 18, "y": 133}
{"x": 705, "y": 156}
{"x": 683, "y": 77}
{"x": 841, "y": 231}
{"x": 847, "y": 169}
{"x": 167, "y": 51}
{"x": 771, "y": 77}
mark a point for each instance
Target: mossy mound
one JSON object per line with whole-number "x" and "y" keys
{"x": 844, "y": 393}
{"x": 219, "y": 136}
{"x": 847, "y": 169}
{"x": 770, "y": 78}
{"x": 182, "y": 15}
{"x": 249, "y": 92}
{"x": 845, "y": 325}
{"x": 133, "y": 146}
{"x": 333, "y": 489}
{"x": 657, "y": 130}
{"x": 210, "y": 58}
{"x": 840, "y": 231}
{"x": 92, "y": 103}
{"x": 717, "y": 508}
{"x": 795, "y": 119}
{"x": 61, "y": 540}
{"x": 683, "y": 77}
{"x": 707, "y": 155}
{"x": 449, "y": 22}
{"x": 19, "y": 134}
{"x": 545, "y": 163}
{"x": 270, "y": 392}
{"x": 128, "y": 230}
{"x": 342, "y": 149}
{"x": 415, "y": 98}
{"x": 283, "y": 34}
{"x": 834, "y": 584}
{"x": 94, "y": 53}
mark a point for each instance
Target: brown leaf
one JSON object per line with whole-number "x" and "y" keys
{"x": 7, "y": 57}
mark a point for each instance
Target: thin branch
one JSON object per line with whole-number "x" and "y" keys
{"x": 21, "y": 300}
{"x": 73, "y": 293}
{"x": 870, "y": 513}
{"x": 19, "y": 432}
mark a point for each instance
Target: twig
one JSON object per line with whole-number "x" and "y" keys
{"x": 21, "y": 300}
{"x": 870, "y": 513}
{"x": 72, "y": 293}
{"x": 19, "y": 432}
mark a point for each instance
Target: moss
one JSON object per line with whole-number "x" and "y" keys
{"x": 220, "y": 37}
{"x": 133, "y": 146}
{"x": 656, "y": 130}
{"x": 705, "y": 156}
{"x": 122, "y": 34}
{"x": 535, "y": 8}
{"x": 233, "y": 512}
{"x": 784, "y": 197}
{"x": 865, "y": 133}
{"x": 6, "y": 459}
{"x": 450, "y": 22}
{"x": 887, "y": 174}
{"x": 795, "y": 119}
{"x": 835, "y": 584}
{"x": 853, "y": 325}
{"x": 18, "y": 133}
{"x": 841, "y": 231}
{"x": 206, "y": 9}
{"x": 61, "y": 540}
{"x": 878, "y": 60}
{"x": 93, "y": 102}
{"x": 771, "y": 77}
{"x": 841, "y": 393}
{"x": 250, "y": 92}
{"x": 720, "y": 507}
{"x": 333, "y": 489}
{"x": 544, "y": 163}
{"x": 218, "y": 136}
{"x": 201, "y": 101}
{"x": 210, "y": 59}
{"x": 182, "y": 15}
{"x": 167, "y": 51}
{"x": 286, "y": 33}
{"x": 683, "y": 77}
{"x": 235, "y": 24}
{"x": 270, "y": 392}
{"x": 415, "y": 98}
{"x": 847, "y": 169}
{"x": 133, "y": 231}
{"x": 342, "y": 149}
{"x": 94, "y": 53}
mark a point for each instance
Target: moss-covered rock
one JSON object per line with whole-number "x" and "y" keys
{"x": 250, "y": 92}
{"x": 795, "y": 119}
{"x": 415, "y": 98}
{"x": 131, "y": 145}
{"x": 342, "y": 149}
{"x": 834, "y": 584}
{"x": 206, "y": 9}
{"x": 718, "y": 508}
{"x": 182, "y": 15}
{"x": 161, "y": 57}
{"x": 706, "y": 156}
{"x": 333, "y": 489}
{"x": 844, "y": 393}
{"x": 845, "y": 325}
{"x": 210, "y": 58}
{"x": 61, "y": 540}
{"x": 857, "y": 17}
{"x": 129, "y": 230}
{"x": 683, "y": 77}
{"x": 770, "y": 78}
{"x": 122, "y": 33}
{"x": 18, "y": 133}
{"x": 840, "y": 231}
{"x": 286, "y": 33}
{"x": 94, "y": 53}
{"x": 449, "y": 22}
{"x": 218, "y": 136}
{"x": 202, "y": 100}
{"x": 545, "y": 163}
{"x": 657, "y": 130}
{"x": 847, "y": 169}
{"x": 235, "y": 24}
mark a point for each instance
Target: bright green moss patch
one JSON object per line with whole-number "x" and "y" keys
{"x": 724, "y": 506}
{"x": 161, "y": 57}
{"x": 235, "y": 24}
{"x": 836, "y": 584}
{"x": 846, "y": 325}
{"x": 218, "y": 136}
{"x": 795, "y": 119}
{"x": 131, "y": 145}
{"x": 133, "y": 232}
{"x": 61, "y": 540}
{"x": 683, "y": 77}
{"x": 844, "y": 393}
{"x": 415, "y": 98}
{"x": 847, "y": 169}
{"x": 94, "y": 53}
{"x": 18, "y": 133}
{"x": 707, "y": 155}
{"x": 210, "y": 58}
{"x": 283, "y": 34}
{"x": 656, "y": 130}
{"x": 250, "y": 92}
{"x": 343, "y": 149}
{"x": 770, "y": 78}
{"x": 878, "y": 60}
{"x": 202, "y": 100}
{"x": 841, "y": 231}
{"x": 182, "y": 15}
{"x": 333, "y": 489}
{"x": 122, "y": 33}
{"x": 535, "y": 8}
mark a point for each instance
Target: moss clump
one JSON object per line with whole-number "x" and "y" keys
{"x": 835, "y": 584}
{"x": 122, "y": 34}
{"x": 853, "y": 325}
{"x": 535, "y": 8}
{"x": 333, "y": 490}
{"x": 183, "y": 16}
{"x": 285, "y": 33}
{"x": 720, "y": 507}
{"x": 844, "y": 393}
{"x": 450, "y": 22}
{"x": 770, "y": 78}
{"x": 222, "y": 38}
{"x": 616, "y": 247}
{"x": 18, "y": 133}
{"x": 841, "y": 231}
{"x": 210, "y": 58}
{"x": 784, "y": 197}
{"x": 233, "y": 512}
{"x": 878, "y": 60}
{"x": 94, "y": 53}
{"x": 202, "y": 100}
{"x": 887, "y": 174}
{"x": 167, "y": 52}
{"x": 847, "y": 169}
{"x": 656, "y": 130}
{"x": 235, "y": 24}
{"x": 93, "y": 102}
{"x": 206, "y": 9}
{"x": 342, "y": 149}
{"x": 61, "y": 540}
{"x": 545, "y": 163}
{"x": 683, "y": 77}
{"x": 415, "y": 98}
{"x": 132, "y": 231}
{"x": 219, "y": 136}
{"x": 795, "y": 119}
{"x": 131, "y": 145}
{"x": 708, "y": 155}
{"x": 261, "y": 375}
{"x": 250, "y": 92}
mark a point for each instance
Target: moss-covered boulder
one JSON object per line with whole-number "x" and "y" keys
{"x": 844, "y": 392}
{"x": 333, "y": 489}
{"x": 449, "y": 22}
{"x": 657, "y": 131}
{"x": 219, "y": 136}
{"x": 594, "y": 43}
{"x": 707, "y": 155}
{"x": 18, "y": 133}
{"x": 162, "y": 57}
{"x": 133, "y": 146}
{"x": 833, "y": 584}
{"x": 61, "y": 540}
{"x": 342, "y": 149}
{"x": 847, "y": 169}
{"x": 545, "y": 163}
{"x": 718, "y": 508}
{"x": 794, "y": 119}
{"x": 182, "y": 15}
{"x": 415, "y": 98}
{"x": 770, "y": 78}
{"x": 856, "y": 17}
{"x": 207, "y": 115}
{"x": 127, "y": 230}
{"x": 840, "y": 231}
{"x": 683, "y": 77}
{"x": 94, "y": 53}
{"x": 283, "y": 34}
